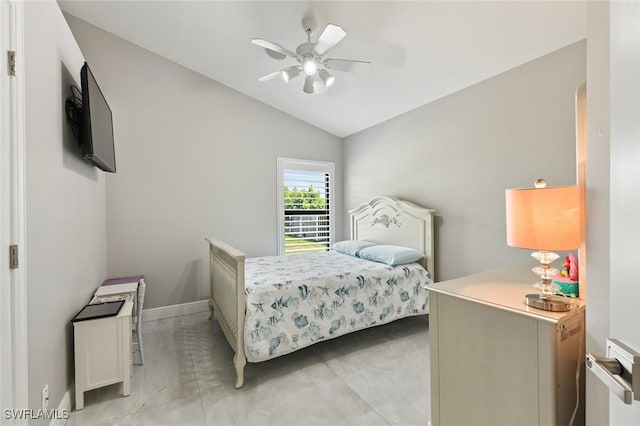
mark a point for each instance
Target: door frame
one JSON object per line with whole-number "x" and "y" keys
{"x": 13, "y": 219}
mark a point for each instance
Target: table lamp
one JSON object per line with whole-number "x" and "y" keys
{"x": 544, "y": 219}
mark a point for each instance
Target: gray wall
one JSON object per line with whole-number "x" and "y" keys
{"x": 194, "y": 159}
{"x": 459, "y": 153}
{"x": 66, "y": 210}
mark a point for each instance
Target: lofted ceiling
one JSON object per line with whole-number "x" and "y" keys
{"x": 421, "y": 50}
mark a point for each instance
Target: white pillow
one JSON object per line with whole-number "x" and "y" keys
{"x": 350, "y": 247}
{"x": 391, "y": 255}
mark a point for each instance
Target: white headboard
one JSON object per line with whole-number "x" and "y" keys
{"x": 386, "y": 220}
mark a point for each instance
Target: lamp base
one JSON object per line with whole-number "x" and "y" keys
{"x": 554, "y": 305}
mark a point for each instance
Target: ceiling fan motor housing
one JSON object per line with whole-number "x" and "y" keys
{"x": 309, "y": 25}
{"x": 305, "y": 49}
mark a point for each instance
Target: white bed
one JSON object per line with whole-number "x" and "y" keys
{"x": 273, "y": 305}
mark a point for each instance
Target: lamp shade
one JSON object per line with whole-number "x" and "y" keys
{"x": 308, "y": 85}
{"x": 326, "y": 77}
{"x": 290, "y": 73}
{"x": 544, "y": 218}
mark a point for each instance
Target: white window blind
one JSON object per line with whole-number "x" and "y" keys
{"x": 306, "y": 206}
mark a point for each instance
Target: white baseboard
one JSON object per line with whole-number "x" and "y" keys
{"x": 65, "y": 404}
{"x": 175, "y": 310}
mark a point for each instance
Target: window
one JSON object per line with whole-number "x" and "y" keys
{"x": 305, "y": 206}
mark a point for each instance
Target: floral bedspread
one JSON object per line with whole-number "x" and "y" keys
{"x": 295, "y": 301}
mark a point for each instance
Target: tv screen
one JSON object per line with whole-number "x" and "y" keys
{"x": 97, "y": 132}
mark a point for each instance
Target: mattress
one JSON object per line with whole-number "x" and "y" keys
{"x": 295, "y": 301}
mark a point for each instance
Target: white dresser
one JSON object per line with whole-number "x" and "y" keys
{"x": 495, "y": 361}
{"x": 102, "y": 349}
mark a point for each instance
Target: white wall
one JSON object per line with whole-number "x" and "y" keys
{"x": 459, "y": 153}
{"x": 612, "y": 198}
{"x": 66, "y": 211}
{"x": 194, "y": 159}
{"x": 598, "y": 177}
{"x": 624, "y": 109}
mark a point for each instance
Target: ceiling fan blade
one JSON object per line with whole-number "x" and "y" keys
{"x": 331, "y": 36}
{"x": 348, "y": 65}
{"x": 270, "y": 76}
{"x": 275, "y": 55}
{"x": 273, "y": 47}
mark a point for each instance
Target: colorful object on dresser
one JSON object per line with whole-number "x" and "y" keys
{"x": 567, "y": 279}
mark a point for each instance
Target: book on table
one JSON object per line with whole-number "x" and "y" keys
{"x": 128, "y": 287}
{"x": 100, "y": 310}
{"x": 124, "y": 280}
{"x": 110, "y": 298}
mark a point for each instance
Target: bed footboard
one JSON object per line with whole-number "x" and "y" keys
{"x": 226, "y": 298}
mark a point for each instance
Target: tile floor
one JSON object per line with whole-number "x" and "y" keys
{"x": 378, "y": 376}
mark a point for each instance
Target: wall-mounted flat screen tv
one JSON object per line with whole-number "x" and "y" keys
{"x": 97, "y": 124}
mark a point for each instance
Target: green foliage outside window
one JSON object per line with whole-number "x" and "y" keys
{"x": 304, "y": 199}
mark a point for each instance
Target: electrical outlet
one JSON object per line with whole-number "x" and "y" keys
{"x": 45, "y": 397}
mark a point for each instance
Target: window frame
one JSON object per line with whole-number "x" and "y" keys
{"x": 285, "y": 163}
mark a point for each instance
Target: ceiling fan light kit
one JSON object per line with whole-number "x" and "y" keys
{"x": 310, "y": 60}
{"x": 290, "y": 73}
{"x": 326, "y": 77}
{"x": 309, "y": 65}
{"x": 308, "y": 84}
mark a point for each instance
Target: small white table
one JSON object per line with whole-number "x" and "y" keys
{"x": 102, "y": 349}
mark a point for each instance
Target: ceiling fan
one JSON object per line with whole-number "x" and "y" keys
{"x": 310, "y": 57}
